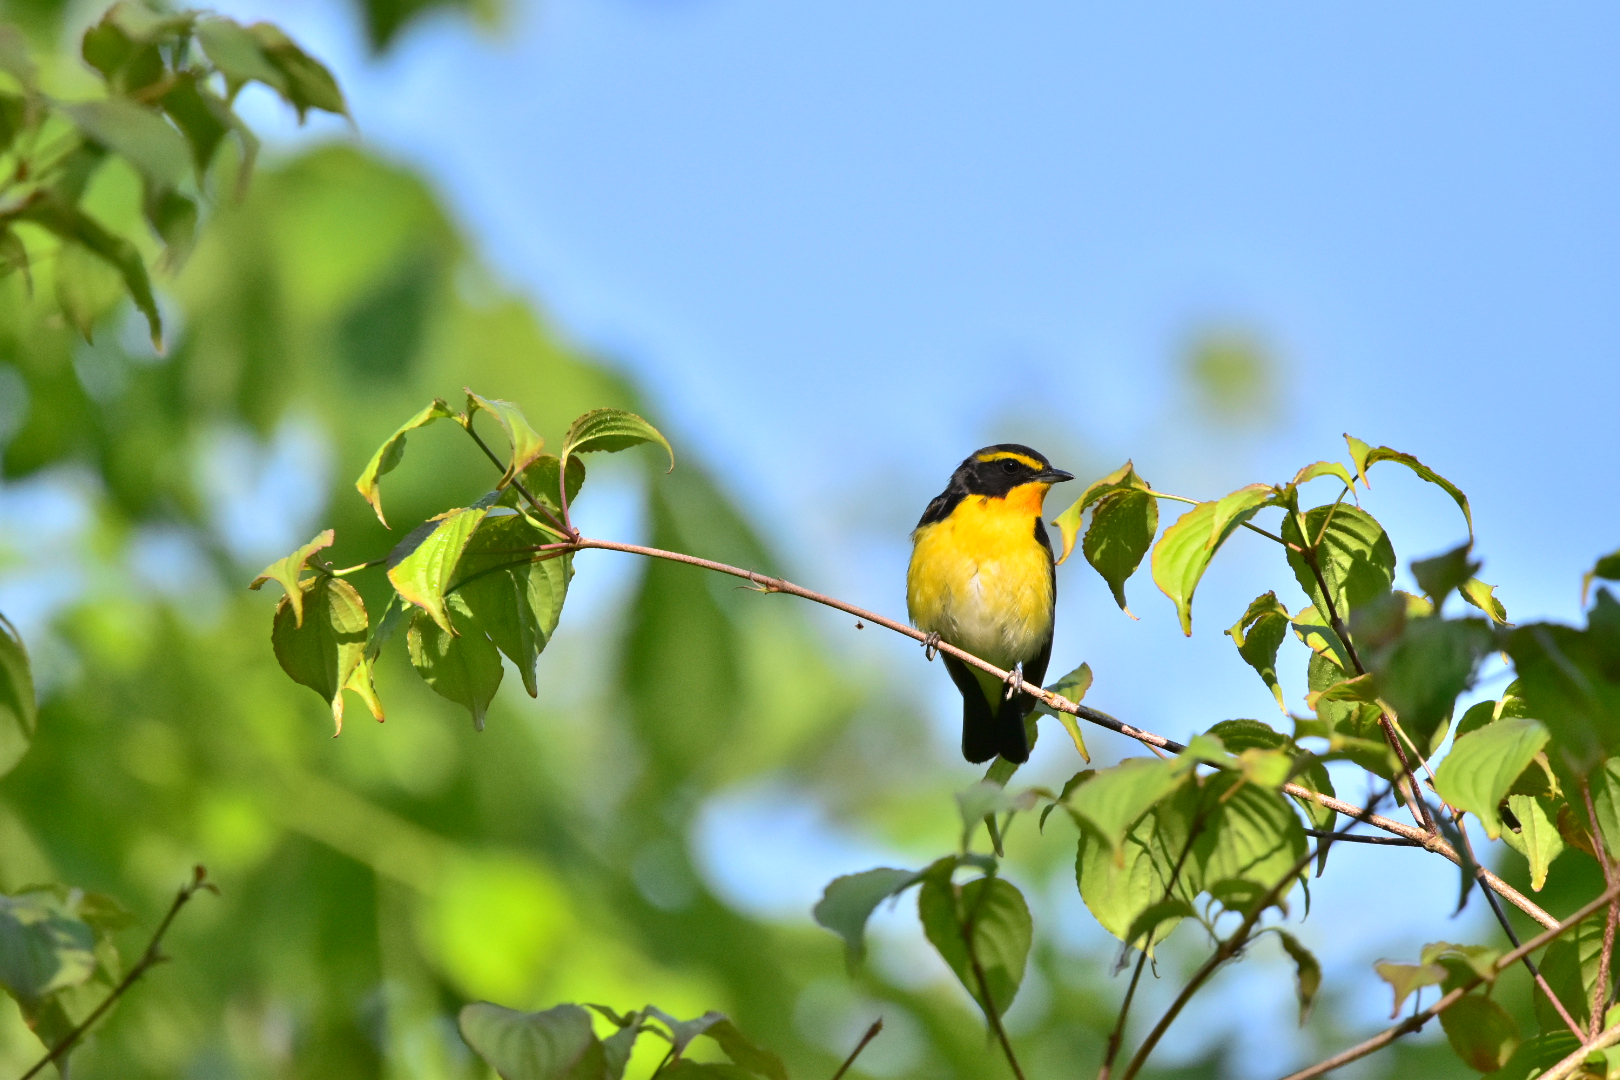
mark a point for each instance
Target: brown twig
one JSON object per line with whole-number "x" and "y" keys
{"x": 517, "y": 482}
{"x": 992, "y": 1012}
{"x": 871, "y": 1033}
{"x": 1567, "y": 1066}
{"x": 1416, "y": 1021}
{"x": 1389, "y": 841}
{"x": 149, "y": 959}
{"x": 1600, "y": 991}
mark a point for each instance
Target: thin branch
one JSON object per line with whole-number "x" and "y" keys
{"x": 1600, "y": 990}
{"x": 1428, "y": 841}
{"x": 871, "y": 1033}
{"x": 1417, "y": 1020}
{"x": 1389, "y": 841}
{"x": 149, "y": 959}
{"x": 1566, "y": 1067}
{"x": 1507, "y": 928}
{"x": 517, "y": 481}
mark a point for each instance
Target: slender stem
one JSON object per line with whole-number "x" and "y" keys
{"x": 149, "y": 959}
{"x": 871, "y": 1033}
{"x": 1566, "y": 1067}
{"x": 1428, "y": 841}
{"x": 1390, "y": 841}
{"x": 1507, "y": 928}
{"x": 517, "y": 482}
{"x": 1600, "y": 991}
{"x": 1175, "y": 498}
{"x": 992, "y": 1012}
{"x": 1272, "y": 536}
{"x": 1416, "y": 1021}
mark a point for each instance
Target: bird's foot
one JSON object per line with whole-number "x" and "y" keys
{"x": 931, "y": 646}
{"x": 1015, "y": 679}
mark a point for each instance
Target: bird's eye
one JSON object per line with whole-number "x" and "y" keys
{"x": 1008, "y": 465}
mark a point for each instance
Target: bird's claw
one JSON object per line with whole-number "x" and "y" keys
{"x": 1015, "y": 679}
{"x": 931, "y": 646}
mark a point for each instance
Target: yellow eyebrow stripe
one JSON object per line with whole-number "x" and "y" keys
{"x": 1004, "y": 455}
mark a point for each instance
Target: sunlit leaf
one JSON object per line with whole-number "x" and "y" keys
{"x": 526, "y": 443}
{"x": 540, "y": 481}
{"x": 1115, "y": 798}
{"x": 1322, "y": 468}
{"x": 1366, "y": 456}
{"x": 1121, "y": 479}
{"x": 1183, "y": 553}
{"x": 1483, "y": 764}
{"x": 1117, "y": 885}
{"x": 323, "y": 649}
{"x": 1252, "y": 835}
{"x": 611, "y": 430}
{"x": 1537, "y": 839}
{"x": 1145, "y": 927}
{"x": 390, "y": 453}
{"x": 1311, "y": 627}
{"x": 1355, "y": 556}
{"x": 1360, "y": 688}
{"x": 1072, "y": 686}
{"x": 1123, "y": 525}
{"x": 1483, "y": 1035}
{"x": 462, "y": 666}
{"x": 19, "y": 713}
{"x": 138, "y": 135}
{"x": 991, "y": 914}
{"x": 1405, "y": 978}
{"x": 287, "y": 571}
{"x": 848, "y": 902}
{"x": 1607, "y": 568}
{"x": 1483, "y": 596}
{"x": 1258, "y": 635}
{"x": 557, "y": 1044}
{"x": 423, "y": 565}
{"x": 514, "y": 598}
{"x": 1307, "y": 973}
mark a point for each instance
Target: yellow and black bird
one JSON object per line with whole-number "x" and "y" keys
{"x": 982, "y": 579}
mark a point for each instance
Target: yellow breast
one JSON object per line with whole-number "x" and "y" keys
{"x": 981, "y": 579}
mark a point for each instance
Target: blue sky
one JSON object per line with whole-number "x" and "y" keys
{"x": 844, "y": 243}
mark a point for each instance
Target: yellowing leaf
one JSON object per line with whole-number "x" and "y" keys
{"x": 388, "y": 455}
{"x": 526, "y": 443}
{"x": 1183, "y": 553}
{"x": 1366, "y": 456}
{"x": 323, "y": 650}
{"x": 423, "y": 564}
{"x": 1121, "y": 479}
{"x": 286, "y": 572}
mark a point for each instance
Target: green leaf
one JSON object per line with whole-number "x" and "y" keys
{"x": 1072, "y": 686}
{"x": 390, "y": 453}
{"x": 1538, "y": 839}
{"x": 1253, "y": 835}
{"x": 1122, "y": 479}
{"x": 611, "y": 430}
{"x": 1357, "y": 560}
{"x": 1322, "y": 468}
{"x": 1360, "y": 688}
{"x": 322, "y": 650}
{"x": 1535, "y": 1056}
{"x": 991, "y": 914}
{"x": 1353, "y": 718}
{"x": 526, "y": 443}
{"x": 1183, "y": 553}
{"x": 848, "y": 902}
{"x": 44, "y": 946}
{"x": 1568, "y": 680}
{"x": 557, "y": 1044}
{"x": 540, "y": 480}
{"x": 306, "y": 84}
{"x": 202, "y": 117}
{"x": 1480, "y": 1032}
{"x": 19, "y": 713}
{"x": 286, "y": 572}
{"x": 1483, "y": 764}
{"x": 1605, "y": 785}
{"x": 423, "y": 565}
{"x": 1366, "y": 456}
{"x": 1478, "y": 715}
{"x": 70, "y": 223}
{"x": 87, "y": 289}
{"x": 140, "y": 136}
{"x": 1607, "y": 568}
{"x": 514, "y": 598}
{"x": 1405, "y": 978}
{"x": 1483, "y": 596}
{"x": 16, "y": 58}
{"x": 1115, "y": 798}
{"x": 1420, "y": 675}
{"x": 1439, "y": 575}
{"x": 1122, "y": 529}
{"x": 1119, "y": 884}
{"x": 13, "y": 119}
{"x": 238, "y": 55}
{"x": 1145, "y": 927}
{"x": 1307, "y": 972}
{"x": 1258, "y": 635}
{"x": 742, "y": 1050}
{"x": 462, "y": 666}
{"x": 693, "y": 1070}
{"x": 1570, "y": 966}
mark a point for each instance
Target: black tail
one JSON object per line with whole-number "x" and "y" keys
{"x": 986, "y": 733}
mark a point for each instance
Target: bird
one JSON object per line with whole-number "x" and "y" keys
{"x": 982, "y": 578}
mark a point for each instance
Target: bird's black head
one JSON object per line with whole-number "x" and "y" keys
{"x": 997, "y": 469}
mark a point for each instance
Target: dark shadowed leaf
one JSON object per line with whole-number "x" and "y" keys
{"x": 1483, "y": 764}
{"x": 1258, "y": 635}
{"x": 1122, "y": 529}
{"x": 1439, "y": 575}
{"x": 306, "y": 84}
{"x": 1570, "y": 966}
{"x": 540, "y": 480}
{"x": 140, "y": 136}
{"x": 1607, "y": 568}
{"x": 202, "y": 117}
{"x": 322, "y": 651}
{"x": 849, "y": 901}
{"x": 44, "y": 945}
{"x": 557, "y": 1044}
{"x": 464, "y": 666}
{"x": 19, "y": 714}
{"x": 1365, "y": 456}
{"x": 515, "y": 599}
{"x": 611, "y": 430}
{"x": 742, "y": 1050}
{"x": 1122, "y": 479}
{"x": 1535, "y": 1056}
{"x": 388, "y": 455}
{"x": 1420, "y": 675}
{"x": 1483, "y": 1035}
{"x": 72, "y": 224}
{"x": 287, "y": 571}
{"x": 1307, "y": 973}
{"x": 991, "y": 914}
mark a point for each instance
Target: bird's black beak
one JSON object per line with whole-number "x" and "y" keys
{"x": 1053, "y": 476}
